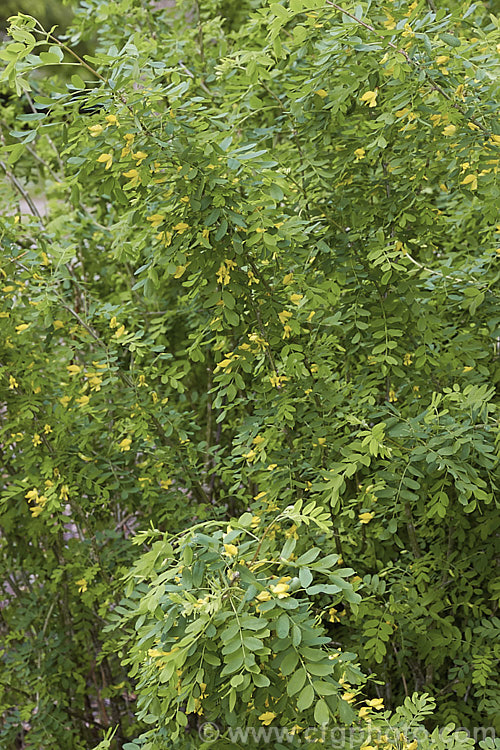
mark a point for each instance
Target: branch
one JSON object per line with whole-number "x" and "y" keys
{"x": 15, "y": 182}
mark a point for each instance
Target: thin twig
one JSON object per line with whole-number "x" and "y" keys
{"x": 15, "y": 182}
{"x": 70, "y": 52}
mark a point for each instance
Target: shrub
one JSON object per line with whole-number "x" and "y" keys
{"x": 256, "y": 314}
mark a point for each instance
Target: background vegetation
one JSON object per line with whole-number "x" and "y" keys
{"x": 249, "y": 373}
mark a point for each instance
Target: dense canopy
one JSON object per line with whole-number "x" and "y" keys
{"x": 249, "y": 375}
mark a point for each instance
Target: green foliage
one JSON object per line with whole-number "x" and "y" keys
{"x": 256, "y": 313}
{"x": 224, "y": 625}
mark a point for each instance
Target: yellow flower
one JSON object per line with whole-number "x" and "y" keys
{"x": 257, "y": 340}
{"x": 133, "y": 176}
{"x": 408, "y": 30}
{"x": 360, "y": 153}
{"x": 83, "y": 400}
{"x": 13, "y": 382}
{"x": 47, "y": 429}
{"x": 22, "y": 327}
{"x": 280, "y": 590}
{"x": 165, "y": 237}
{"x": 264, "y": 596}
{"x": 95, "y": 383}
{"x": 73, "y": 369}
{"x": 349, "y": 697}
{"x": 111, "y": 120}
{"x": 179, "y": 271}
{"x": 95, "y": 130}
{"x": 267, "y": 717}
{"x": 119, "y": 332}
{"x": 36, "y": 439}
{"x": 332, "y": 615}
{"x": 363, "y": 712}
{"x": 125, "y": 444}
{"x": 450, "y": 130}
{"x": 284, "y": 316}
{"x": 58, "y": 324}
{"x": 389, "y": 24}
{"x": 370, "y": 97}
{"x": 392, "y": 395}
{"x": 295, "y": 298}
{"x": 82, "y": 585}
{"x": 467, "y": 368}
{"x": 277, "y": 380}
{"x": 376, "y": 703}
{"x": 156, "y": 219}
{"x": 231, "y": 550}
{"x": 65, "y": 400}
{"x": 471, "y": 181}
{"x": 223, "y": 275}
{"x": 106, "y": 159}
{"x": 322, "y": 93}
{"x": 366, "y": 517}
{"x": 288, "y": 279}
{"x": 185, "y": 199}
{"x": 407, "y": 360}
{"x": 181, "y": 227}
{"x": 139, "y": 157}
